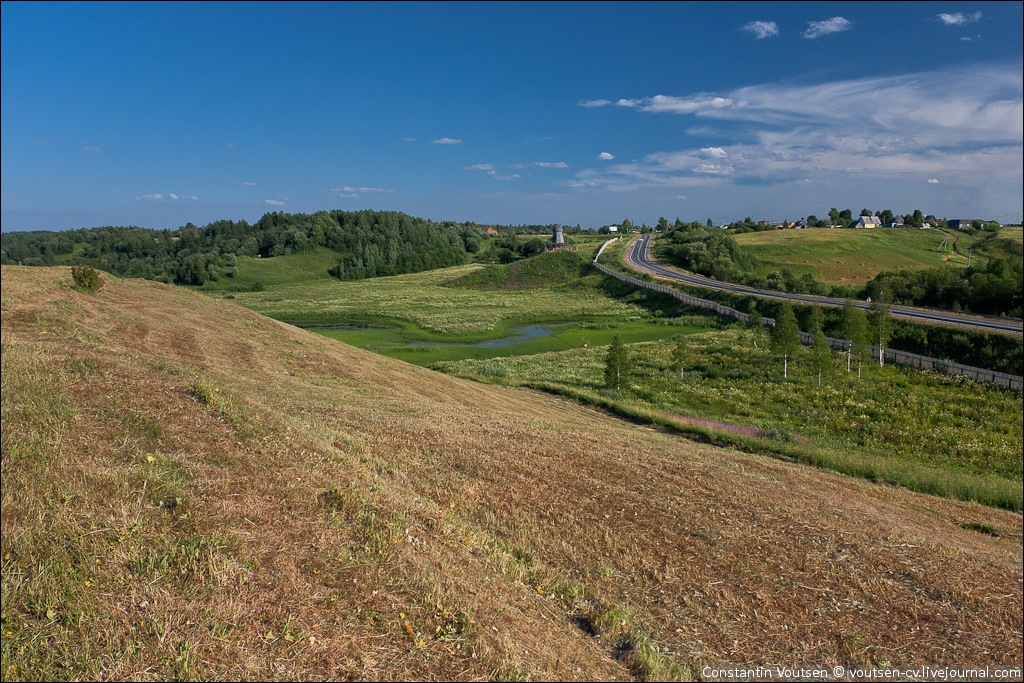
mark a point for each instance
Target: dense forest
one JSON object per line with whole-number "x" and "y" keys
{"x": 368, "y": 244}
{"x": 992, "y": 288}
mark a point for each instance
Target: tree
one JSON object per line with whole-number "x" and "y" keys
{"x": 786, "y": 335}
{"x": 865, "y": 212}
{"x": 853, "y": 326}
{"x": 833, "y": 215}
{"x": 616, "y": 364}
{"x": 812, "y": 221}
{"x": 680, "y": 354}
{"x": 821, "y": 352}
{"x": 880, "y": 319}
{"x": 756, "y": 325}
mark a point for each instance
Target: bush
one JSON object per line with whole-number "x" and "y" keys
{"x": 86, "y": 279}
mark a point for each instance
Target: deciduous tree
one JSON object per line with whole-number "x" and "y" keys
{"x": 786, "y": 335}
{"x": 616, "y": 364}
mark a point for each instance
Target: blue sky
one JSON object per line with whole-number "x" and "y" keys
{"x": 157, "y": 114}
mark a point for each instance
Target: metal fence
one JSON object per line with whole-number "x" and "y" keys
{"x": 891, "y": 355}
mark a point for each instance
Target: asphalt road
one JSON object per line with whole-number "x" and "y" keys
{"x": 638, "y": 257}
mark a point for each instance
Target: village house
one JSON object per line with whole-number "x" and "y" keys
{"x": 867, "y": 222}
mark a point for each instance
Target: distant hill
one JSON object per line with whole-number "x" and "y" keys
{"x": 544, "y": 270}
{"x": 194, "y": 491}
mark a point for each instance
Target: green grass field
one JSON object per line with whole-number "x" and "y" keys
{"x": 852, "y": 257}
{"x": 447, "y": 314}
{"x": 921, "y": 430}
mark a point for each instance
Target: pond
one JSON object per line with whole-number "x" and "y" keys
{"x": 521, "y": 335}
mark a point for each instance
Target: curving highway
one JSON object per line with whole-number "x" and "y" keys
{"x": 638, "y": 257}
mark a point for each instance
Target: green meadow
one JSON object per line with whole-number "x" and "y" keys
{"x": 927, "y": 432}
{"x": 840, "y": 256}
{"x": 551, "y": 302}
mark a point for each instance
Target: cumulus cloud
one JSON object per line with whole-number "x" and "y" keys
{"x": 551, "y": 164}
{"x": 272, "y": 202}
{"x": 683, "y": 105}
{"x": 447, "y": 141}
{"x": 714, "y": 152}
{"x": 490, "y": 170}
{"x": 607, "y": 156}
{"x": 247, "y": 183}
{"x": 150, "y": 197}
{"x": 761, "y": 29}
{"x": 958, "y": 18}
{"x": 594, "y": 103}
{"x": 933, "y": 181}
{"x": 817, "y": 29}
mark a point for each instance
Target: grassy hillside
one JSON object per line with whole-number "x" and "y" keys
{"x": 191, "y": 490}
{"x": 848, "y": 257}
{"x": 922, "y": 430}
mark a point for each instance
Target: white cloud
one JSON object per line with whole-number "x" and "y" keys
{"x": 607, "y": 156}
{"x": 348, "y": 195}
{"x": 594, "y": 103}
{"x": 626, "y": 103}
{"x": 170, "y": 196}
{"x": 933, "y": 181}
{"x": 761, "y": 29}
{"x": 408, "y": 139}
{"x": 958, "y": 18}
{"x": 684, "y": 105}
{"x": 366, "y": 189}
{"x": 490, "y": 170}
{"x": 447, "y": 141}
{"x": 273, "y": 202}
{"x": 791, "y": 130}
{"x": 551, "y": 164}
{"x": 90, "y": 150}
{"x": 817, "y": 29}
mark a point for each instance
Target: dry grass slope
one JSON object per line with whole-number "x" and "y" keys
{"x": 191, "y": 490}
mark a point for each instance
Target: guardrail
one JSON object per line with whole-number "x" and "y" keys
{"x": 891, "y": 355}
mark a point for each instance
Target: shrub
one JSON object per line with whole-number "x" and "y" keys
{"x": 86, "y": 279}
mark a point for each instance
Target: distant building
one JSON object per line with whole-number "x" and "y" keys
{"x": 961, "y": 223}
{"x": 613, "y": 228}
{"x": 896, "y": 222}
{"x": 867, "y": 222}
{"x": 489, "y": 231}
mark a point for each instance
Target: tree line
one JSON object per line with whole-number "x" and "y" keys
{"x": 368, "y": 244}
